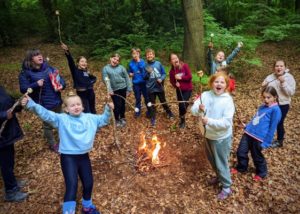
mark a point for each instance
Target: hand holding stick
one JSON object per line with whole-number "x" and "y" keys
{"x": 10, "y": 111}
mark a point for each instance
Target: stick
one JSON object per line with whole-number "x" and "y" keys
{"x": 29, "y": 90}
{"x": 116, "y": 140}
{"x": 58, "y": 25}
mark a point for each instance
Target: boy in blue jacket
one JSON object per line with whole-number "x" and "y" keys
{"x": 258, "y": 135}
{"x": 154, "y": 74}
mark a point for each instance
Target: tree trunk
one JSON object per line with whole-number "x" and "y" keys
{"x": 49, "y": 7}
{"x": 193, "y": 47}
{"x": 297, "y": 6}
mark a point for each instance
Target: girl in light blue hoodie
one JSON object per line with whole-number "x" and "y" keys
{"x": 216, "y": 109}
{"x": 77, "y": 132}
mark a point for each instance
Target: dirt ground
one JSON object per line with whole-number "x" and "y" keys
{"x": 180, "y": 186}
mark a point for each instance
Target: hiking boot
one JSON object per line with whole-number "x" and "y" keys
{"x": 153, "y": 121}
{"x": 90, "y": 210}
{"x": 170, "y": 115}
{"x": 224, "y": 194}
{"x": 182, "y": 123}
{"x": 15, "y": 195}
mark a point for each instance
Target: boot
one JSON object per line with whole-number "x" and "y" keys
{"x": 15, "y": 195}
{"x": 182, "y": 122}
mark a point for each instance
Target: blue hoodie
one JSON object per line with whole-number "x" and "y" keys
{"x": 76, "y": 133}
{"x": 137, "y": 69}
{"x": 158, "y": 72}
{"x": 263, "y": 125}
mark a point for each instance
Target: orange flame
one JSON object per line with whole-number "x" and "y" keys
{"x": 155, "y": 158}
{"x": 144, "y": 143}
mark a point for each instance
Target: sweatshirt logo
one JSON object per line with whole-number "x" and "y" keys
{"x": 257, "y": 118}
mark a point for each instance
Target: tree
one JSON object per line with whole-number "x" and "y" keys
{"x": 193, "y": 48}
{"x": 297, "y": 6}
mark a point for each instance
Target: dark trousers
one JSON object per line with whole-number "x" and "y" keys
{"x": 249, "y": 143}
{"x": 7, "y": 163}
{"x": 88, "y": 100}
{"x": 139, "y": 90}
{"x": 162, "y": 98}
{"x": 183, "y": 96}
{"x": 72, "y": 166}
{"x": 119, "y": 103}
{"x": 280, "y": 127}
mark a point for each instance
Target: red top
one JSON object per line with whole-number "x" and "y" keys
{"x": 231, "y": 85}
{"x": 186, "y": 75}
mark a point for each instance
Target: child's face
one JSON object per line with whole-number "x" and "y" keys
{"x": 175, "y": 60}
{"x": 219, "y": 85}
{"x": 220, "y": 57}
{"x": 279, "y": 68}
{"x": 268, "y": 98}
{"x": 150, "y": 56}
{"x": 114, "y": 61}
{"x": 38, "y": 59}
{"x": 135, "y": 55}
{"x": 82, "y": 64}
{"x": 74, "y": 106}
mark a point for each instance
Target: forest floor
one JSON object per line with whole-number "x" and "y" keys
{"x": 180, "y": 185}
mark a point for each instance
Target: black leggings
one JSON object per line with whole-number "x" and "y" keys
{"x": 7, "y": 162}
{"x": 72, "y": 166}
{"x": 88, "y": 100}
{"x": 183, "y": 96}
{"x": 119, "y": 103}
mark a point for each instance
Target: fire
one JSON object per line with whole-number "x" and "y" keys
{"x": 151, "y": 150}
{"x": 155, "y": 158}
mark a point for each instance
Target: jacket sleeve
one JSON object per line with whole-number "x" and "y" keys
{"x": 275, "y": 118}
{"x": 172, "y": 78}
{"x": 226, "y": 121}
{"x": 71, "y": 63}
{"x": 46, "y": 115}
{"x": 103, "y": 119}
{"x": 289, "y": 86}
{"x": 210, "y": 60}
{"x": 232, "y": 55}
{"x": 3, "y": 115}
{"x": 25, "y": 83}
{"x": 187, "y": 73}
{"x": 195, "y": 107}
{"x": 162, "y": 72}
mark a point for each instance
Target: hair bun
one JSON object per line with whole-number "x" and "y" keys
{"x": 71, "y": 94}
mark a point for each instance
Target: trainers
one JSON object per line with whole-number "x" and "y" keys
{"x": 90, "y": 210}
{"x": 119, "y": 124}
{"x": 182, "y": 123}
{"x": 257, "y": 178}
{"x": 233, "y": 171}
{"x": 123, "y": 122}
{"x": 224, "y": 194}
{"x": 170, "y": 115}
{"x": 213, "y": 181}
{"x": 277, "y": 143}
{"x": 153, "y": 121}
{"x": 15, "y": 196}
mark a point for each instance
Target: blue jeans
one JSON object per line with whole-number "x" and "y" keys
{"x": 72, "y": 166}
{"x": 280, "y": 127}
{"x": 139, "y": 90}
{"x": 218, "y": 152}
{"x": 249, "y": 143}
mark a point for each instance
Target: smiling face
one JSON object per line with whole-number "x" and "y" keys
{"x": 73, "y": 106}
{"x": 219, "y": 85}
{"x": 268, "y": 99}
{"x": 150, "y": 56}
{"x": 37, "y": 60}
{"x": 279, "y": 68}
{"x": 82, "y": 63}
{"x": 174, "y": 60}
{"x": 220, "y": 57}
{"x": 114, "y": 61}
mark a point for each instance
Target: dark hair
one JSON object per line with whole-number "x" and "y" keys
{"x": 180, "y": 62}
{"x": 27, "y": 63}
{"x": 280, "y": 60}
{"x": 79, "y": 58}
{"x": 270, "y": 90}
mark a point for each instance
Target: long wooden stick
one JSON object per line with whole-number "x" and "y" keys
{"x": 58, "y": 25}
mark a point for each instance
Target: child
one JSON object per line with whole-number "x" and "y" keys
{"x": 231, "y": 88}
{"x": 11, "y": 133}
{"x": 181, "y": 79}
{"x": 220, "y": 60}
{"x": 36, "y": 74}
{"x": 120, "y": 87}
{"x": 218, "y": 120}
{"x": 136, "y": 67}
{"x": 258, "y": 135}
{"x": 83, "y": 81}
{"x": 155, "y": 74}
{"x": 285, "y": 85}
{"x": 77, "y": 132}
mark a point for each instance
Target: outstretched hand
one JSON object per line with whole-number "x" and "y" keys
{"x": 240, "y": 44}
{"x": 64, "y": 47}
{"x": 25, "y": 100}
{"x": 111, "y": 105}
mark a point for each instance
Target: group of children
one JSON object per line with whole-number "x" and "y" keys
{"x": 78, "y": 124}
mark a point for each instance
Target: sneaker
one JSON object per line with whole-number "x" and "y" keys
{"x": 119, "y": 124}
{"x": 137, "y": 114}
{"x": 277, "y": 143}
{"x": 15, "y": 196}
{"x": 257, "y": 178}
{"x": 213, "y": 181}
{"x": 170, "y": 115}
{"x": 182, "y": 123}
{"x": 223, "y": 194}
{"x": 90, "y": 210}
{"x": 123, "y": 122}
{"x": 153, "y": 121}
{"x": 233, "y": 171}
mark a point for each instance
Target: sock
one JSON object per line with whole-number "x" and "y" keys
{"x": 69, "y": 207}
{"x": 87, "y": 203}
{"x": 227, "y": 190}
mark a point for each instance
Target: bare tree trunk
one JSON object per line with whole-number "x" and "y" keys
{"x": 193, "y": 47}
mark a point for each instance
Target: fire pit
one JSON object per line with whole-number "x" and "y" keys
{"x": 149, "y": 154}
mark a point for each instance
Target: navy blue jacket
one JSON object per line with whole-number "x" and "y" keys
{"x": 12, "y": 131}
{"x": 158, "y": 72}
{"x": 45, "y": 95}
{"x": 81, "y": 78}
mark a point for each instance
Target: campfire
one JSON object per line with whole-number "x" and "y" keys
{"x": 148, "y": 154}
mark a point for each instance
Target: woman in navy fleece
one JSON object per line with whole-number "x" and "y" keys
{"x": 258, "y": 135}
{"x": 83, "y": 81}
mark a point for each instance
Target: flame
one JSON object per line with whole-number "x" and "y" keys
{"x": 155, "y": 158}
{"x": 144, "y": 143}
